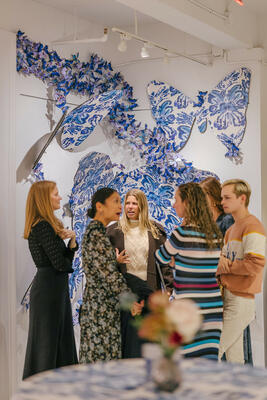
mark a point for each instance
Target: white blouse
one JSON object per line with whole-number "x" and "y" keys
{"x": 136, "y": 246}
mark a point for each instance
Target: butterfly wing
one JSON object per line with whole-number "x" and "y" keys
{"x": 81, "y": 121}
{"x": 225, "y": 108}
{"x": 174, "y": 112}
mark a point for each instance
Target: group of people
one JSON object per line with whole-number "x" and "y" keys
{"x": 132, "y": 254}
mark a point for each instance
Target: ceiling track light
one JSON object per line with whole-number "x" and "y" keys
{"x": 166, "y": 58}
{"x": 149, "y": 44}
{"x": 144, "y": 52}
{"x": 122, "y": 45}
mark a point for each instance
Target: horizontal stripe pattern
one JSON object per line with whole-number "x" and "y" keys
{"x": 194, "y": 278}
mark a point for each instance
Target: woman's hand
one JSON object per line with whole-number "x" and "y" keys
{"x": 122, "y": 257}
{"x": 69, "y": 234}
{"x": 172, "y": 263}
{"x": 137, "y": 308}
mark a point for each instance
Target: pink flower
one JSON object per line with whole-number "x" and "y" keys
{"x": 184, "y": 315}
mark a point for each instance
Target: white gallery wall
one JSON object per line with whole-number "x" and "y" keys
{"x": 35, "y": 118}
{"x": 7, "y": 217}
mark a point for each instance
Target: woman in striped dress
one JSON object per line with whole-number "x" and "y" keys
{"x": 195, "y": 248}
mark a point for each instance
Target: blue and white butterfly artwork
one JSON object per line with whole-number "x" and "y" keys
{"x": 81, "y": 122}
{"x": 223, "y": 109}
{"x": 109, "y": 99}
{"x": 173, "y": 111}
{"x": 95, "y": 171}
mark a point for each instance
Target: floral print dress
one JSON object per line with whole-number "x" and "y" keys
{"x": 100, "y": 311}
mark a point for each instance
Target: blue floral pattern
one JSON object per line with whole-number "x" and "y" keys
{"x": 173, "y": 111}
{"x": 128, "y": 379}
{"x": 224, "y": 107}
{"x": 111, "y": 97}
{"x": 38, "y": 172}
{"x": 81, "y": 122}
{"x": 95, "y": 171}
{"x": 225, "y": 110}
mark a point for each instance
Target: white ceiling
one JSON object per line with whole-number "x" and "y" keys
{"x": 110, "y": 12}
{"x": 240, "y": 34}
{"x": 257, "y": 6}
{"x": 103, "y": 12}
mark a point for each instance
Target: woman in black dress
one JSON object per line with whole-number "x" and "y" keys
{"x": 51, "y": 342}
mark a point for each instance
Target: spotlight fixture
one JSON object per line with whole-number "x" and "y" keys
{"x": 124, "y": 35}
{"x": 144, "y": 52}
{"x": 240, "y": 2}
{"x": 166, "y": 59}
{"x": 122, "y": 45}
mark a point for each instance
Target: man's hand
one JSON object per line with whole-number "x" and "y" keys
{"x": 122, "y": 257}
{"x": 224, "y": 266}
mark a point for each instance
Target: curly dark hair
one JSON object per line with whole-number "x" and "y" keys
{"x": 198, "y": 214}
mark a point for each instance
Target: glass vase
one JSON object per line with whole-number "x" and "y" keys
{"x": 165, "y": 372}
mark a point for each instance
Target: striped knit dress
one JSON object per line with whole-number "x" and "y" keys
{"x": 194, "y": 278}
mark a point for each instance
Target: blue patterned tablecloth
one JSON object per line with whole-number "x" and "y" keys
{"x": 127, "y": 380}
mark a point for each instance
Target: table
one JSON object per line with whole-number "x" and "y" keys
{"x": 127, "y": 380}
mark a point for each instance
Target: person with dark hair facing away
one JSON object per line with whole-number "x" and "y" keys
{"x": 100, "y": 310}
{"x": 195, "y": 247}
{"x": 212, "y": 188}
{"x": 51, "y": 342}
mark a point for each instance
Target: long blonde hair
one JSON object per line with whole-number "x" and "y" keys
{"x": 144, "y": 222}
{"x": 39, "y": 207}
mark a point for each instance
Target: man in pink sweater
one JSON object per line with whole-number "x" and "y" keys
{"x": 240, "y": 269}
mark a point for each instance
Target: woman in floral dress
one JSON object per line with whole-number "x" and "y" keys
{"x": 100, "y": 312}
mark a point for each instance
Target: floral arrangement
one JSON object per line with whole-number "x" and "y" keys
{"x": 170, "y": 324}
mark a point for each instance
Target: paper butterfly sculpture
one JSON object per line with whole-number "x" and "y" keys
{"x": 80, "y": 123}
{"x": 223, "y": 109}
{"x": 111, "y": 100}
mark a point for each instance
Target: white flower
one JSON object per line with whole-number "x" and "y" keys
{"x": 184, "y": 314}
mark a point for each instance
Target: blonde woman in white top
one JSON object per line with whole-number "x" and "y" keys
{"x": 136, "y": 238}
